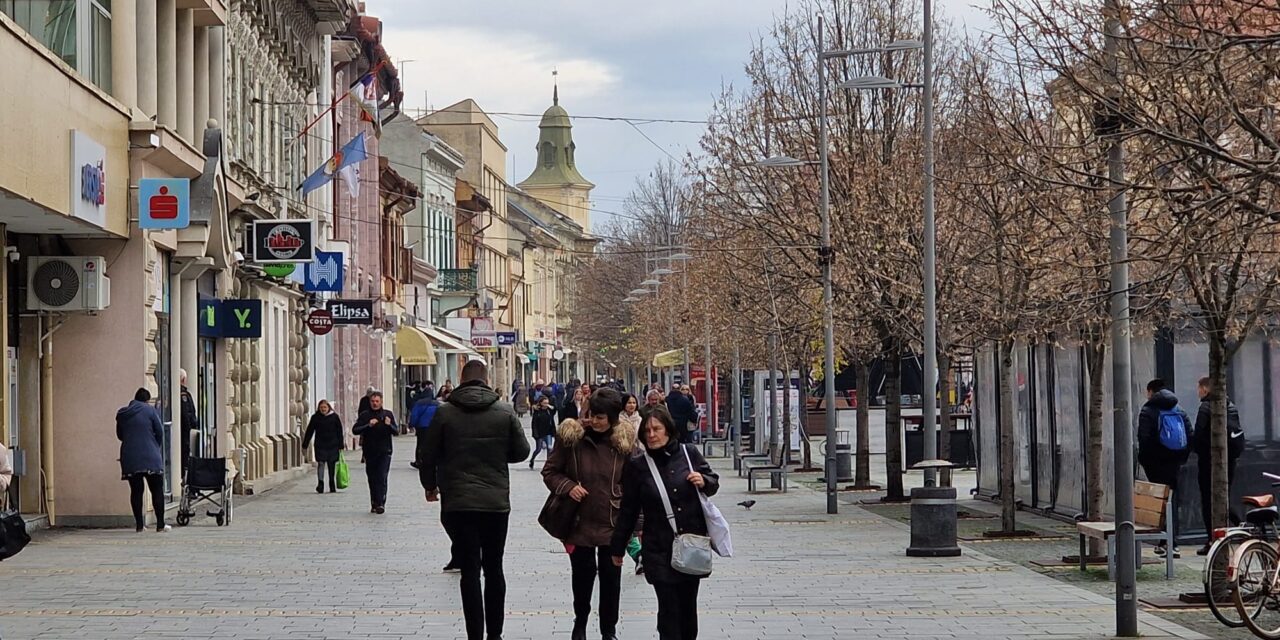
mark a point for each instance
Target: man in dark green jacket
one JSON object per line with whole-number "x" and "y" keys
{"x": 463, "y": 462}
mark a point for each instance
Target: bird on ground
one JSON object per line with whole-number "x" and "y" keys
{"x": 747, "y": 504}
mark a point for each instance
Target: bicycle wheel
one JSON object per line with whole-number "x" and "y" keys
{"x": 1217, "y": 582}
{"x": 1254, "y": 588}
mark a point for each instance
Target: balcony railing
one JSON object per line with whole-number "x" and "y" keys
{"x": 456, "y": 280}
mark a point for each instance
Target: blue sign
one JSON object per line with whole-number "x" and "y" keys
{"x": 229, "y": 318}
{"x": 506, "y": 338}
{"x": 325, "y": 273}
{"x": 164, "y": 203}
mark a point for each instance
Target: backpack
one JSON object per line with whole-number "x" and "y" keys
{"x": 1173, "y": 430}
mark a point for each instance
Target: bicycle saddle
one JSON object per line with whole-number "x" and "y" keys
{"x": 1260, "y": 501}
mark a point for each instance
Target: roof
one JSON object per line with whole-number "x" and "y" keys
{"x": 556, "y": 165}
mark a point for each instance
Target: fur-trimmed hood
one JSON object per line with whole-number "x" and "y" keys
{"x": 622, "y": 438}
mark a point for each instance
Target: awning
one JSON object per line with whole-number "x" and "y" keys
{"x": 672, "y": 358}
{"x": 449, "y": 342}
{"x": 413, "y": 347}
{"x": 524, "y": 359}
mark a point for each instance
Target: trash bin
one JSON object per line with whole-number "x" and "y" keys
{"x": 844, "y": 462}
{"x": 933, "y": 516}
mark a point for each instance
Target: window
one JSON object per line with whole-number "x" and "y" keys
{"x": 77, "y": 31}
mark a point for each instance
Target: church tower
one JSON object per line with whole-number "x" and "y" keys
{"x": 555, "y": 179}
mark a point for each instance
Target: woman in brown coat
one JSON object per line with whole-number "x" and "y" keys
{"x": 587, "y": 466}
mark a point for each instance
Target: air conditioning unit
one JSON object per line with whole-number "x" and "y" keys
{"x": 67, "y": 283}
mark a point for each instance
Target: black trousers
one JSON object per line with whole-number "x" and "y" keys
{"x": 678, "y": 610}
{"x": 479, "y": 539}
{"x": 376, "y": 467}
{"x": 332, "y": 466}
{"x": 588, "y": 563}
{"x": 1205, "y": 469}
{"x": 155, "y": 483}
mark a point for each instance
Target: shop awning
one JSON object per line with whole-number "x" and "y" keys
{"x": 413, "y": 347}
{"x": 672, "y": 358}
{"x": 524, "y": 359}
{"x": 449, "y": 342}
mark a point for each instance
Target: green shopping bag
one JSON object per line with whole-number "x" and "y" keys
{"x": 633, "y": 548}
{"x": 344, "y": 473}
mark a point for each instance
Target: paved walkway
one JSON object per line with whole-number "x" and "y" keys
{"x": 296, "y": 565}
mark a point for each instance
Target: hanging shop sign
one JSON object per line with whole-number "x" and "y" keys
{"x": 483, "y": 335}
{"x": 164, "y": 203}
{"x": 88, "y": 179}
{"x": 350, "y": 311}
{"x": 282, "y": 241}
{"x": 320, "y": 321}
{"x": 325, "y": 274}
{"x": 507, "y": 338}
{"x": 229, "y": 318}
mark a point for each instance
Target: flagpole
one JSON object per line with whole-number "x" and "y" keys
{"x": 376, "y": 68}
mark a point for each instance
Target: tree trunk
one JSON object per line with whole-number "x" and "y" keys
{"x": 1096, "y": 355}
{"x": 944, "y": 405}
{"x": 1008, "y": 459}
{"x": 893, "y": 420}
{"x": 862, "y": 457}
{"x": 1221, "y": 492}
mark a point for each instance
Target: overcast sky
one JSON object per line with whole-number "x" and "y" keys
{"x": 652, "y": 59}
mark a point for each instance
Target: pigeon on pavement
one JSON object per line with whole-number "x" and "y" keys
{"x": 747, "y": 504}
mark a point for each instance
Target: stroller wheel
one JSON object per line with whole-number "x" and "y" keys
{"x": 183, "y": 519}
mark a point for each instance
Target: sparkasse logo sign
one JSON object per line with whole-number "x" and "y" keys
{"x": 351, "y": 311}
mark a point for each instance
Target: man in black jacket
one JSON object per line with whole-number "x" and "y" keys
{"x": 1161, "y": 464}
{"x": 1204, "y": 462}
{"x": 189, "y": 419}
{"x": 376, "y": 428}
{"x": 682, "y": 412}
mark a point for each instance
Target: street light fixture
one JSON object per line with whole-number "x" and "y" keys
{"x": 640, "y": 292}
{"x": 651, "y": 282}
{"x": 662, "y": 271}
{"x": 870, "y": 82}
{"x": 681, "y": 256}
{"x": 783, "y": 162}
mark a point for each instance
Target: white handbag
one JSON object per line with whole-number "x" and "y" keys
{"x": 690, "y": 553}
{"x": 717, "y": 526}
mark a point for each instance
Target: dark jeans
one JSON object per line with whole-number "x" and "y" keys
{"x": 332, "y": 465}
{"x": 479, "y": 539}
{"x": 377, "y": 466}
{"x": 154, "y": 483}
{"x": 588, "y": 562}
{"x": 543, "y": 444}
{"x": 1205, "y": 469}
{"x": 677, "y": 610}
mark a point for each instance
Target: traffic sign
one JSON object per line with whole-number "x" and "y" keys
{"x": 320, "y": 322}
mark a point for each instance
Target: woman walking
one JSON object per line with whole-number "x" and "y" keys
{"x": 141, "y": 462}
{"x": 683, "y": 471}
{"x": 631, "y": 411}
{"x": 326, "y": 428}
{"x": 587, "y": 466}
{"x": 544, "y": 428}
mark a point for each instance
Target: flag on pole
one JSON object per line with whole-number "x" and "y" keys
{"x": 351, "y": 176}
{"x": 365, "y": 94}
{"x": 350, "y": 154}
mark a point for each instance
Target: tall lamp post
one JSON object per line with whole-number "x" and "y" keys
{"x": 825, "y": 253}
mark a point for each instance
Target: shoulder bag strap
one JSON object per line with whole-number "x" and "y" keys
{"x": 662, "y": 492}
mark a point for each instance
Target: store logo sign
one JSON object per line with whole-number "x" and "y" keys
{"x": 351, "y": 311}
{"x": 88, "y": 179}
{"x": 283, "y": 241}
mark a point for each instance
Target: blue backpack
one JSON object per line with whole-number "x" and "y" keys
{"x": 1173, "y": 430}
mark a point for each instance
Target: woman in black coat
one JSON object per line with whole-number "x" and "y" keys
{"x": 326, "y": 427}
{"x": 141, "y": 438}
{"x": 677, "y": 592}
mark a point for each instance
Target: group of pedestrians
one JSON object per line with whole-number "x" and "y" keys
{"x": 1167, "y": 437}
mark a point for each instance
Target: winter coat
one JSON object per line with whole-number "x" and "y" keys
{"x": 376, "y": 439}
{"x": 595, "y": 461}
{"x": 569, "y": 409}
{"x": 328, "y": 434}
{"x": 423, "y": 411}
{"x": 1151, "y": 452}
{"x": 6, "y": 469}
{"x": 468, "y": 449}
{"x": 141, "y": 437}
{"x": 1203, "y": 437}
{"x": 682, "y": 413}
{"x": 364, "y": 405}
{"x": 635, "y": 420}
{"x": 640, "y": 497}
{"x": 544, "y": 423}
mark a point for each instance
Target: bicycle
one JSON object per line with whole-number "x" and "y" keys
{"x": 1226, "y": 541}
{"x": 1252, "y": 570}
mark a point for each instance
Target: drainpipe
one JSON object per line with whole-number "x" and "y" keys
{"x": 46, "y": 415}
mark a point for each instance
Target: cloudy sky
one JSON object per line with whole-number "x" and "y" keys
{"x": 653, "y": 59}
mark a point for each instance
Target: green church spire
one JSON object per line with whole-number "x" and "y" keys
{"x": 556, "y": 163}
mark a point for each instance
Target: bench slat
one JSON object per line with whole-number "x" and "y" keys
{"x": 1104, "y": 529}
{"x": 1143, "y": 517}
{"x": 1150, "y": 489}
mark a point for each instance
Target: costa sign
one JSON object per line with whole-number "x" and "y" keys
{"x": 283, "y": 241}
{"x": 320, "y": 322}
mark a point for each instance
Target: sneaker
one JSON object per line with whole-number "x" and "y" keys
{"x": 165, "y": 529}
{"x": 451, "y": 568}
{"x": 379, "y": 510}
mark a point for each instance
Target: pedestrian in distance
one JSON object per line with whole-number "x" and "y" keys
{"x": 376, "y": 428}
{"x": 587, "y": 466}
{"x": 365, "y": 402}
{"x": 1203, "y": 444}
{"x": 1164, "y": 440}
{"x": 325, "y": 429}
{"x": 520, "y": 399}
{"x": 682, "y": 413}
{"x": 631, "y": 412}
{"x": 464, "y": 463}
{"x": 141, "y": 437}
{"x": 684, "y": 472}
{"x": 445, "y": 390}
{"x": 189, "y": 418}
{"x": 411, "y": 391}
{"x": 544, "y": 428}
{"x": 422, "y": 412}
{"x": 569, "y": 408}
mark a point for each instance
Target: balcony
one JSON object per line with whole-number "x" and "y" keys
{"x": 456, "y": 280}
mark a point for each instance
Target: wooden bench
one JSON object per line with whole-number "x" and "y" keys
{"x": 1152, "y": 515}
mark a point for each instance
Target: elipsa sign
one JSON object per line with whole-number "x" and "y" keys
{"x": 350, "y": 311}
{"x": 282, "y": 241}
{"x": 88, "y": 179}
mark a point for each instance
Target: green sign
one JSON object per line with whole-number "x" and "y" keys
{"x": 278, "y": 270}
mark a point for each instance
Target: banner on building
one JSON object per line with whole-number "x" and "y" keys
{"x": 325, "y": 274}
{"x": 347, "y": 312}
{"x": 483, "y": 334}
{"x": 282, "y": 241}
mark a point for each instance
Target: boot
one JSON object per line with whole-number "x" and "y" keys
{"x": 579, "y": 631}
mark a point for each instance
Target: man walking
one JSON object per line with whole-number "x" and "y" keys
{"x": 190, "y": 420}
{"x": 376, "y": 428}
{"x": 1204, "y": 460}
{"x": 463, "y": 463}
{"x": 682, "y": 412}
{"x": 1164, "y": 434}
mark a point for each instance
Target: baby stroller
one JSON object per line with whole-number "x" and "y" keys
{"x": 205, "y": 481}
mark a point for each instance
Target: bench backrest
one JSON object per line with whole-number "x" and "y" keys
{"x": 1150, "y": 502}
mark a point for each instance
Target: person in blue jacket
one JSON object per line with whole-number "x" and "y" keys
{"x": 423, "y": 411}
{"x": 141, "y": 437}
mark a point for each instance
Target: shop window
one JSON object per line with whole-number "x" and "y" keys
{"x": 77, "y": 31}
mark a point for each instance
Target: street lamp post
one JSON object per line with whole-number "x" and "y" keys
{"x": 825, "y": 256}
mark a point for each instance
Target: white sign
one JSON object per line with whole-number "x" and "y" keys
{"x": 88, "y": 179}
{"x": 483, "y": 333}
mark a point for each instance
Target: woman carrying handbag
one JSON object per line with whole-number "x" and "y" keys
{"x": 586, "y": 466}
{"x": 684, "y": 474}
